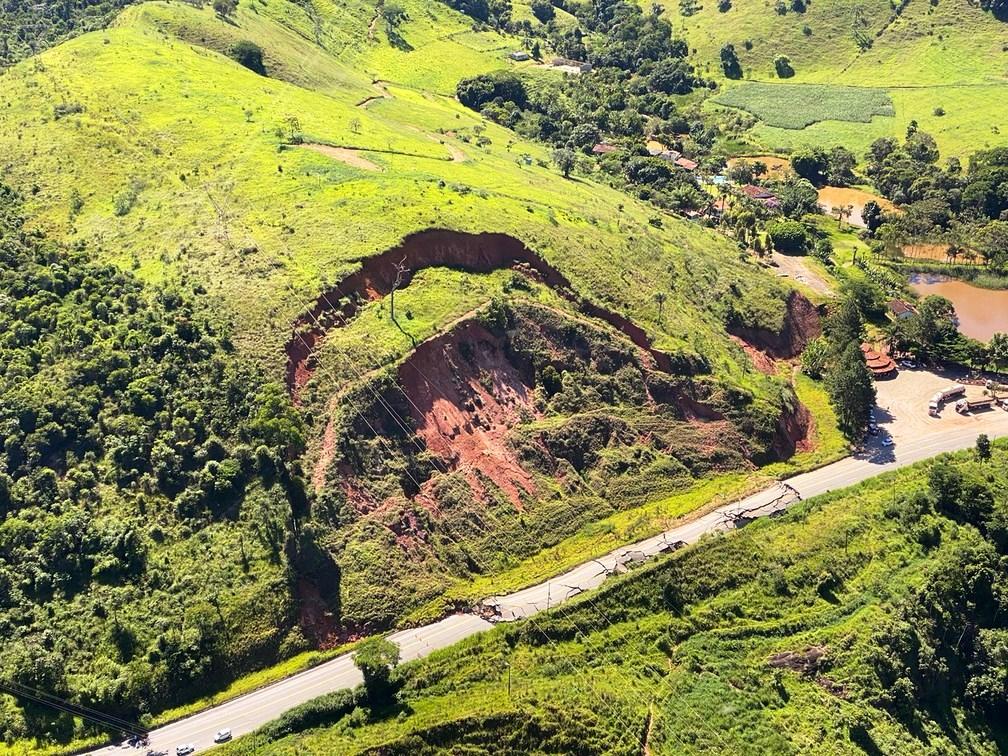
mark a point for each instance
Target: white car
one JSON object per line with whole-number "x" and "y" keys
{"x": 222, "y": 736}
{"x": 185, "y": 749}
{"x": 887, "y": 441}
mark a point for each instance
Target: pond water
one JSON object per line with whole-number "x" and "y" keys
{"x": 981, "y": 312}
{"x": 831, "y": 197}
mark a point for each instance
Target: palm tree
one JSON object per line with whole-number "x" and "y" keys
{"x": 659, "y": 298}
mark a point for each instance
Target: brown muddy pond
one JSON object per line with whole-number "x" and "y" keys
{"x": 981, "y": 312}
{"x": 831, "y": 197}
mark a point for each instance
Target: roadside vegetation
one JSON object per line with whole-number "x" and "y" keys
{"x": 824, "y": 628}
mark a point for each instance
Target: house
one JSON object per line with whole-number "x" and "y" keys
{"x": 880, "y": 365}
{"x": 602, "y": 148}
{"x": 520, "y": 55}
{"x": 572, "y": 66}
{"x": 761, "y": 195}
{"x": 900, "y": 309}
{"x": 686, "y": 163}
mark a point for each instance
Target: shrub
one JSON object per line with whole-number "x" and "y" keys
{"x": 788, "y": 236}
{"x": 248, "y": 54}
{"x": 782, "y": 64}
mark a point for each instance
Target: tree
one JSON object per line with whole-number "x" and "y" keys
{"x": 659, "y": 298}
{"x": 871, "y": 214}
{"x": 248, "y": 54}
{"x": 376, "y": 658}
{"x": 564, "y": 159}
{"x": 543, "y": 10}
{"x": 730, "y": 62}
{"x": 983, "y": 447}
{"x": 997, "y": 350}
{"x": 225, "y": 8}
{"x": 814, "y": 356}
{"x": 811, "y": 164}
{"x": 782, "y": 64}
{"x": 844, "y": 324}
{"x": 536, "y": 50}
{"x": 851, "y": 391}
{"x": 394, "y": 14}
{"x": 788, "y": 236}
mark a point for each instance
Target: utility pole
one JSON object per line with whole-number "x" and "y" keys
{"x": 400, "y": 270}
{"x": 509, "y": 678}
{"x": 547, "y": 597}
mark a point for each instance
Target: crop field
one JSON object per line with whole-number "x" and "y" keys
{"x": 795, "y": 106}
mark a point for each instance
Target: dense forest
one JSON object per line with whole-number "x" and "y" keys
{"x": 28, "y": 28}
{"x": 147, "y": 498}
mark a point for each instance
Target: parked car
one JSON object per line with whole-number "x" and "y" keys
{"x": 887, "y": 441}
{"x": 185, "y": 749}
{"x": 222, "y": 736}
{"x": 873, "y": 429}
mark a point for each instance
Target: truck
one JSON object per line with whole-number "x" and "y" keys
{"x": 965, "y": 406}
{"x": 950, "y": 392}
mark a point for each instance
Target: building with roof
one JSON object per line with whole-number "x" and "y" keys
{"x": 604, "y": 148}
{"x": 762, "y": 195}
{"x": 686, "y": 163}
{"x": 900, "y": 309}
{"x": 880, "y": 365}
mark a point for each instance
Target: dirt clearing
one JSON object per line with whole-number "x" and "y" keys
{"x": 345, "y": 155}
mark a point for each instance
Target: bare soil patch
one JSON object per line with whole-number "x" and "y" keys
{"x": 351, "y": 157}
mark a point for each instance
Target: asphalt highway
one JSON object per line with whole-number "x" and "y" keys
{"x": 246, "y": 713}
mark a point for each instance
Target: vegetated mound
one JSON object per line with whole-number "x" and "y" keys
{"x": 476, "y": 253}
{"x": 801, "y": 324}
{"x": 507, "y": 434}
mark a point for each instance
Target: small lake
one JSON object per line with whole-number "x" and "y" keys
{"x": 981, "y": 312}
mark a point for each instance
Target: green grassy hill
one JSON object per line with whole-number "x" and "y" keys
{"x": 948, "y": 55}
{"x": 866, "y": 621}
{"x": 146, "y": 147}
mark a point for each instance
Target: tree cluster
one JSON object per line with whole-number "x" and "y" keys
{"x": 127, "y": 421}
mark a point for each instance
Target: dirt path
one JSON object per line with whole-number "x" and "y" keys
{"x": 798, "y": 269}
{"x": 344, "y": 155}
{"x": 383, "y": 94}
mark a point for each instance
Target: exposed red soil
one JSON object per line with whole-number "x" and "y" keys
{"x": 325, "y": 456}
{"x": 464, "y": 405}
{"x": 476, "y": 253}
{"x": 801, "y": 325}
{"x": 760, "y": 360}
{"x": 794, "y": 433}
{"x": 319, "y": 623}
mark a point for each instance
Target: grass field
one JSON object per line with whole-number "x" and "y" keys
{"x": 950, "y": 55}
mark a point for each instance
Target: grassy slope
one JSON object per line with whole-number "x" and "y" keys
{"x": 703, "y": 670}
{"x": 265, "y": 229}
{"x": 950, "y": 55}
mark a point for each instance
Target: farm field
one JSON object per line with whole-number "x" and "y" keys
{"x": 949, "y": 55}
